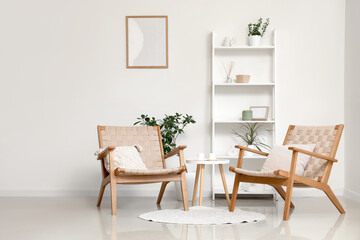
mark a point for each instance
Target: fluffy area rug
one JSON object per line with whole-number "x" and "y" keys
{"x": 202, "y": 215}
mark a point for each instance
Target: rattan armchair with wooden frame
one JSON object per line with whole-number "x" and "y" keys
{"x": 317, "y": 172}
{"x": 149, "y": 138}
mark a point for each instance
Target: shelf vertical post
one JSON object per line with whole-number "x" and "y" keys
{"x": 212, "y": 113}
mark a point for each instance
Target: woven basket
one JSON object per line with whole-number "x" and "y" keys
{"x": 242, "y": 78}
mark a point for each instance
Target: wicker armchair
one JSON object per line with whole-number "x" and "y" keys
{"x": 152, "y": 155}
{"x": 316, "y": 174}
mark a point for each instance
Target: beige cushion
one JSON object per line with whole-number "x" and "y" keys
{"x": 280, "y": 158}
{"x": 126, "y": 157}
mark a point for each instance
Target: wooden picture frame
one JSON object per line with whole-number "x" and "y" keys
{"x": 260, "y": 113}
{"x": 147, "y": 42}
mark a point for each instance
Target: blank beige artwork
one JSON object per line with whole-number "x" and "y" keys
{"x": 147, "y": 45}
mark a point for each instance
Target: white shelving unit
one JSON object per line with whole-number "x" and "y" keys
{"x": 228, "y": 100}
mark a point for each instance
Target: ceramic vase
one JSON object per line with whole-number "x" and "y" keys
{"x": 247, "y": 115}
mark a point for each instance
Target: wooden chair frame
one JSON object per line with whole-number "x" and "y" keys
{"x": 114, "y": 175}
{"x": 290, "y": 179}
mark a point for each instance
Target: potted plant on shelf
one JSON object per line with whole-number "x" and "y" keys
{"x": 171, "y": 126}
{"x": 257, "y": 31}
{"x": 251, "y": 136}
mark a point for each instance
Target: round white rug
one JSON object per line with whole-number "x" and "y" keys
{"x": 202, "y": 215}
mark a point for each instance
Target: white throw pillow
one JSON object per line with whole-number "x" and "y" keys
{"x": 280, "y": 158}
{"x": 125, "y": 157}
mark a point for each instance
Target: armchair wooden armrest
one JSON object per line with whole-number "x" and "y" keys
{"x": 105, "y": 152}
{"x": 241, "y": 154}
{"x": 313, "y": 154}
{"x": 252, "y": 150}
{"x": 175, "y": 151}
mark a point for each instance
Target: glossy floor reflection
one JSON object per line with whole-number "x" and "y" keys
{"x": 79, "y": 218}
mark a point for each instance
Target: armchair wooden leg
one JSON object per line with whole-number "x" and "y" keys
{"x": 184, "y": 191}
{"x": 161, "y": 193}
{"x": 102, "y": 189}
{"x": 334, "y": 199}
{"x": 282, "y": 193}
{"x": 234, "y": 193}
{"x": 288, "y": 195}
{"x": 113, "y": 196}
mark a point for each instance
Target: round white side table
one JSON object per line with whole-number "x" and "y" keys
{"x": 200, "y": 169}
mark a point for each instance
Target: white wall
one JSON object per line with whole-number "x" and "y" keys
{"x": 63, "y": 72}
{"x": 352, "y": 99}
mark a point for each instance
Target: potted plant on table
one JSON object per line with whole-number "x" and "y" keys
{"x": 251, "y": 136}
{"x": 257, "y": 31}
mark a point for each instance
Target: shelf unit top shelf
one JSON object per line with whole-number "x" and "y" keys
{"x": 243, "y": 84}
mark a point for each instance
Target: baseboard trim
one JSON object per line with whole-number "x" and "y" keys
{"x": 351, "y": 194}
{"x": 83, "y": 193}
{"x": 297, "y": 192}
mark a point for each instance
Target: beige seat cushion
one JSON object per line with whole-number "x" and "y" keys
{"x": 124, "y": 171}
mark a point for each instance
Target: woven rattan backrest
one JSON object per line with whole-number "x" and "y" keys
{"x": 147, "y": 137}
{"x": 326, "y": 139}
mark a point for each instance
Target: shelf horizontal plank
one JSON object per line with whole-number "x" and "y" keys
{"x": 242, "y": 84}
{"x": 224, "y": 156}
{"x": 269, "y": 47}
{"x": 219, "y": 190}
{"x": 241, "y": 121}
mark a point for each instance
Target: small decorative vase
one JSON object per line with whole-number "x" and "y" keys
{"x": 247, "y": 115}
{"x": 226, "y": 42}
{"x": 228, "y": 79}
{"x": 249, "y": 154}
{"x": 254, "y": 40}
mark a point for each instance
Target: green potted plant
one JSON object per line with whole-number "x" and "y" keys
{"x": 257, "y": 31}
{"x": 171, "y": 127}
{"x": 251, "y": 136}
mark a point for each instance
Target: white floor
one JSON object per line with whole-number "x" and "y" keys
{"x": 79, "y": 218}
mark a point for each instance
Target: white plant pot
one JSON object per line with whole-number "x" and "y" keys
{"x": 254, "y": 40}
{"x": 190, "y": 181}
{"x": 249, "y": 154}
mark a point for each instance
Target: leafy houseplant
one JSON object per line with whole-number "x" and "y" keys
{"x": 171, "y": 126}
{"x": 251, "y": 136}
{"x": 257, "y": 30}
